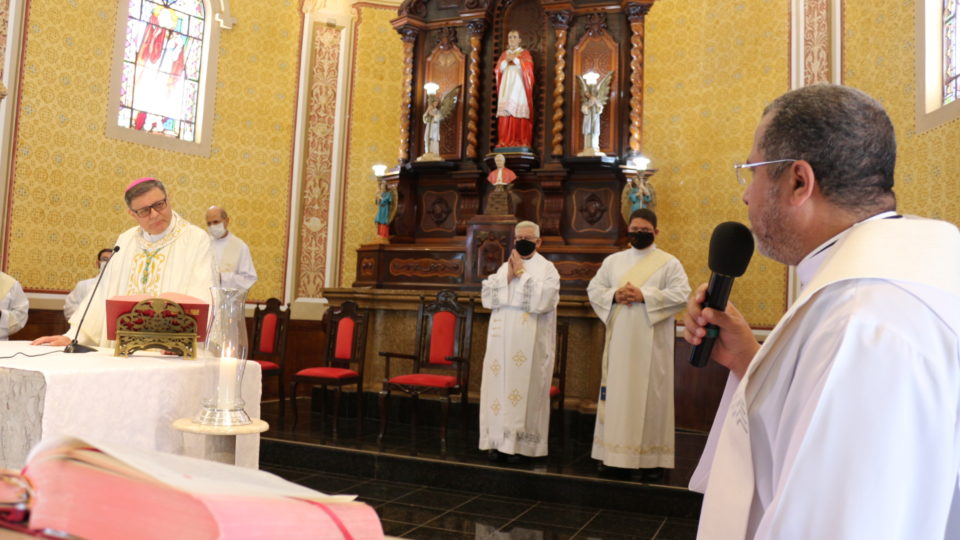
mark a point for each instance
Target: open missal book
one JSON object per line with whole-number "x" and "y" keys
{"x": 102, "y": 492}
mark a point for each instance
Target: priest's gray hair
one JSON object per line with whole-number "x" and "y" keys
{"x": 142, "y": 188}
{"x": 846, "y": 137}
{"x": 527, "y": 225}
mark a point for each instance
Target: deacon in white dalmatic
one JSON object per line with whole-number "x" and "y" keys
{"x": 518, "y": 365}
{"x": 845, "y": 424}
{"x": 231, "y": 256}
{"x": 636, "y": 294}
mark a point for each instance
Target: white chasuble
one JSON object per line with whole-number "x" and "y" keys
{"x": 635, "y": 411}
{"x": 845, "y": 425}
{"x": 180, "y": 261}
{"x": 518, "y": 363}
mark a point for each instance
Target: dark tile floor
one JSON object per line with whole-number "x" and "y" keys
{"x": 412, "y": 511}
{"x": 419, "y": 510}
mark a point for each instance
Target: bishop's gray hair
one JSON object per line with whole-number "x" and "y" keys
{"x": 526, "y": 225}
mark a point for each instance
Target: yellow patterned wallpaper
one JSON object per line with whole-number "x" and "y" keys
{"x": 374, "y": 135}
{"x": 67, "y": 196}
{"x": 711, "y": 68}
{"x": 879, "y": 49}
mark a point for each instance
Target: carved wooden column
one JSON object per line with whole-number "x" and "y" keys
{"x": 409, "y": 36}
{"x": 476, "y": 27}
{"x": 635, "y": 14}
{"x": 561, "y": 23}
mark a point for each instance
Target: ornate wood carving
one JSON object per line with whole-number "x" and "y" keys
{"x": 368, "y": 267}
{"x": 409, "y": 36}
{"x": 635, "y": 14}
{"x": 597, "y": 51}
{"x": 491, "y": 252}
{"x": 476, "y": 27}
{"x": 445, "y": 66}
{"x": 552, "y": 186}
{"x": 439, "y": 211}
{"x": 576, "y": 271}
{"x": 561, "y": 22}
{"x": 416, "y": 8}
{"x": 528, "y": 204}
{"x": 426, "y": 268}
{"x": 592, "y": 210}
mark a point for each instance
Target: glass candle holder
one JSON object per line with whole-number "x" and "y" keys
{"x": 225, "y": 353}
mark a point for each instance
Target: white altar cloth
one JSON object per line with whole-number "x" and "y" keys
{"x": 129, "y": 401}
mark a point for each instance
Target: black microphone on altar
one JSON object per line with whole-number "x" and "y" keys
{"x": 75, "y": 347}
{"x": 731, "y": 247}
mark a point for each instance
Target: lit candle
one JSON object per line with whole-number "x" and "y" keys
{"x": 227, "y": 383}
{"x": 431, "y": 88}
{"x": 591, "y": 77}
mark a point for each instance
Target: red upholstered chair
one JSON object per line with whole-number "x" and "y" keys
{"x": 342, "y": 363}
{"x": 269, "y": 344}
{"x": 439, "y": 364}
{"x": 559, "y": 382}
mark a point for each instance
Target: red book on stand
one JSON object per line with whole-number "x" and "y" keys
{"x": 94, "y": 492}
{"x": 120, "y": 305}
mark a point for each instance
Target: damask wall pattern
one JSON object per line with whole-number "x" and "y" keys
{"x": 66, "y": 199}
{"x": 374, "y": 133}
{"x": 710, "y": 70}
{"x": 879, "y": 49}
{"x": 315, "y": 199}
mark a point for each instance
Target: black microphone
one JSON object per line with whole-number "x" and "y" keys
{"x": 731, "y": 247}
{"x": 75, "y": 347}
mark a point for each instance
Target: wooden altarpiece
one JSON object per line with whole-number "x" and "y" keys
{"x": 443, "y": 234}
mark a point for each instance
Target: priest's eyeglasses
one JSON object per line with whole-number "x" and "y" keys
{"x": 739, "y": 167}
{"x": 145, "y": 211}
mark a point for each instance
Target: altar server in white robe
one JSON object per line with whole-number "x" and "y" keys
{"x": 163, "y": 253}
{"x": 636, "y": 293}
{"x": 83, "y": 287}
{"x": 844, "y": 424}
{"x": 518, "y": 365}
{"x": 231, "y": 256}
{"x": 14, "y": 306}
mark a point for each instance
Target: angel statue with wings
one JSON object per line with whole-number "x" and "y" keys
{"x": 593, "y": 97}
{"x": 437, "y": 109}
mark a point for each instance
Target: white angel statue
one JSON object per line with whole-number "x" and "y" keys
{"x": 593, "y": 97}
{"x": 437, "y": 109}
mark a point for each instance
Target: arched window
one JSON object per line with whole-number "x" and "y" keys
{"x": 951, "y": 52}
{"x": 938, "y": 63}
{"x": 164, "y": 71}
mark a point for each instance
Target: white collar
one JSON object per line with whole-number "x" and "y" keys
{"x": 813, "y": 260}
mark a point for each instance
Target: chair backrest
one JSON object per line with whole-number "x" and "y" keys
{"x": 444, "y": 328}
{"x": 560, "y": 361}
{"x": 270, "y": 323}
{"x": 346, "y": 336}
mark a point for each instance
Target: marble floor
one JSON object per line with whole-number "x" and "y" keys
{"x": 421, "y": 492}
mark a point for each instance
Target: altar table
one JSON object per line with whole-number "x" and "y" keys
{"x": 130, "y": 401}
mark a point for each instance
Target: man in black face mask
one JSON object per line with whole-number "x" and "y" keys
{"x": 522, "y": 297}
{"x": 636, "y": 294}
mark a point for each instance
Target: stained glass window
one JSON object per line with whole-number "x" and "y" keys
{"x": 951, "y": 52}
{"x": 162, "y": 64}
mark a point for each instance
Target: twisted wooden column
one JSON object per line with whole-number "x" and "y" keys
{"x": 409, "y": 36}
{"x": 635, "y": 14}
{"x": 476, "y": 27}
{"x": 561, "y": 22}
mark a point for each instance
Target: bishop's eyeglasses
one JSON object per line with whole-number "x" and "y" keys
{"x": 145, "y": 211}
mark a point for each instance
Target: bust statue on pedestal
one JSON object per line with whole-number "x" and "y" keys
{"x": 498, "y": 202}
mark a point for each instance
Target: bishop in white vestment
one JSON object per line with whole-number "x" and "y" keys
{"x": 518, "y": 365}
{"x": 163, "y": 253}
{"x": 636, "y": 294}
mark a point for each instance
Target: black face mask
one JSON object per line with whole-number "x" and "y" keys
{"x": 640, "y": 240}
{"x": 525, "y": 247}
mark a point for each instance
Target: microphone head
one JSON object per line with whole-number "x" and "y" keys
{"x": 116, "y": 249}
{"x": 731, "y": 247}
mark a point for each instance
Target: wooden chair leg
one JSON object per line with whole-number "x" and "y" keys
{"x": 283, "y": 397}
{"x": 444, "y": 417}
{"x": 359, "y": 410}
{"x": 383, "y": 416}
{"x": 414, "y": 404}
{"x": 336, "y": 409}
{"x": 323, "y": 406}
{"x": 293, "y": 401}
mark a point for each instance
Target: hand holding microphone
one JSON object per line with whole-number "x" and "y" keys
{"x": 731, "y": 247}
